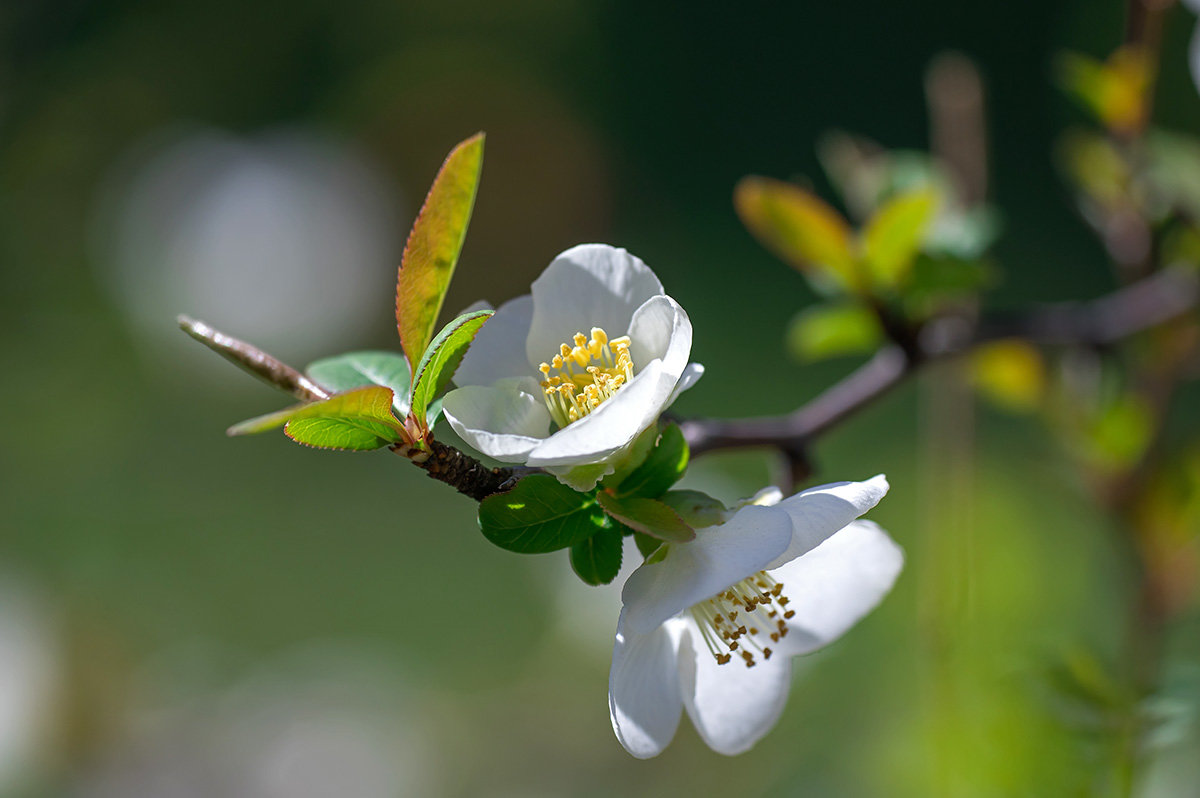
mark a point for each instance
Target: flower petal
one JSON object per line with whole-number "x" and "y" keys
{"x": 717, "y": 558}
{"x": 836, "y": 584}
{"x": 608, "y": 428}
{"x": 732, "y": 706}
{"x": 498, "y": 350}
{"x": 591, "y": 285}
{"x": 819, "y": 512}
{"x": 691, "y": 375}
{"x": 643, "y": 689}
{"x": 505, "y": 421}
{"x": 660, "y": 329}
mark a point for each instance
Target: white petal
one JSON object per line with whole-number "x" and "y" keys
{"x": 643, "y": 689}
{"x": 691, "y": 375}
{"x": 584, "y": 477}
{"x": 819, "y": 512}
{"x": 660, "y": 329}
{"x": 505, "y": 421}
{"x": 498, "y": 350}
{"x": 717, "y": 558}
{"x": 592, "y": 285}
{"x": 608, "y": 428}
{"x": 836, "y": 584}
{"x": 732, "y": 706}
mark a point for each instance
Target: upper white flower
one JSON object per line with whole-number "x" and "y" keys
{"x": 567, "y": 377}
{"x": 713, "y": 626}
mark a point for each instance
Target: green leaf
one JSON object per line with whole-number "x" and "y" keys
{"x": 695, "y": 508}
{"x": 598, "y": 559}
{"x": 359, "y": 419}
{"x": 661, "y": 469}
{"x": 800, "y": 228}
{"x": 433, "y": 246}
{"x": 824, "y": 331}
{"x": 442, "y": 357}
{"x": 648, "y": 516}
{"x": 646, "y": 544}
{"x": 359, "y": 369}
{"x": 358, "y": 435}
{"x": 893, "y": 235}
{"x": 540, "y": 514}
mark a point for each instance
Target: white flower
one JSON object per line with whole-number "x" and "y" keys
{"x": 567, "y": 377}
{"x": 713, "y": 626}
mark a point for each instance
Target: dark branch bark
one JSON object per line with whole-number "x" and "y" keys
{"x": 464, "y": 473}
{"x": 1100, "y": 322}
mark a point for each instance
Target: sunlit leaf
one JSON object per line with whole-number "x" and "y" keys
{"x": 540, "y": 514}
{"x": 800, "y": 228}
{"x": 697, "y": 509}
{"x": 1010, "y": 373}
{"x": 661, "y": 469}
{"x": 648, "y": 516}
{"x": 442, "y": 357}
{"x": 824, "y": 331}
{"x": 1114, "y": 91}
{"x": 360, "y": 419}
{"x": 1121, "y": 433}
{"x": 359, "y": 369}
{"x": 893, "y": 235}
{"x": 597, "y": 560}
{"x": 433, "y": 246}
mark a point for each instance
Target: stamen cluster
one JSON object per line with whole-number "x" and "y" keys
{"x": 764, "y": 605}
{"x": 585, "y": 375}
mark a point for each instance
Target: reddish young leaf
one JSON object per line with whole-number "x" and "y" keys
{"x": 434, "y": 243}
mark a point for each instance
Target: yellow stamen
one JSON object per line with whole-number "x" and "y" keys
{"x": 762, "y": 599}
{"x": 604, "y": 367}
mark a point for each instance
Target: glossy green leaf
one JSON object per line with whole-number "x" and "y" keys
{"x": 646, "y": 544}
{"x": 540, "y": 514}
{"x": 661, "y": 469}
{"x": 352, "y": 434}
{"x": 433, "y": 246}
{"x": 824, "y": 331}
{"x": 360, "y": 369}
{"x": 893, "y": 235}
{"x": 648, "y": 516}
{"x": 597, "y": 560}
{"x": 800, "y": 228}
{"x": 441, "y": 359}
{"x": 358, "y": 419}
{"x": 697, "y": 509}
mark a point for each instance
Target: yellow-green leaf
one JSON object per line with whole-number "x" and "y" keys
{"x": 1115, "y": 90}
{"x": 892, "y": 237}
{"x": 441, "y": 358}
{"x": 1010, "y": 373}
{"x": 824, "y": 331}
{"x": 433, "y": 246}
{"x": 360, "y": 419}
{"x": 648, "y": 516}
{"x": 800, "y": 228}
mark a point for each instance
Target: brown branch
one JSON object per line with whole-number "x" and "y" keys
{"x": 270, "y": 370}
{"x": 443, "y": 463}
{"x": 1098, "y": 323}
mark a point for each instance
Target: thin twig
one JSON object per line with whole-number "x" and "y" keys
{"x": 270, "y": 370}
{"x": 443, "y": 463}
{"x": 1098, "y": 323}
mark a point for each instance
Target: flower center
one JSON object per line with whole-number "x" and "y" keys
{"x": 585, "y": 375}
{"x": 743, "y": 617}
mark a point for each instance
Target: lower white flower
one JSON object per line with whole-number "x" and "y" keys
{"x": 711, "y": 628}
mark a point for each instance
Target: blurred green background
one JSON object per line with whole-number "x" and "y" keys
{"x": 183, "y": 614}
